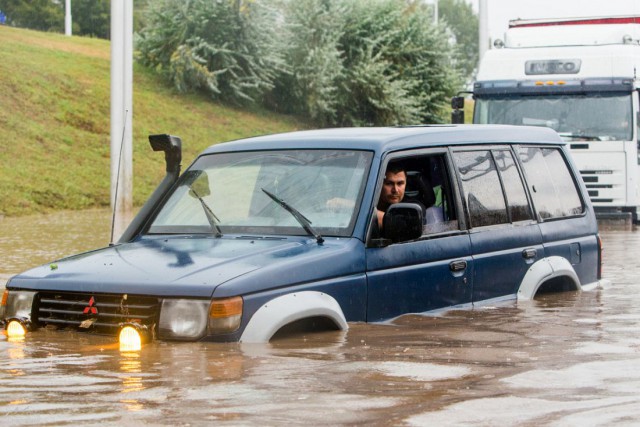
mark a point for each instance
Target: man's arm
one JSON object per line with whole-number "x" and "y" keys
{"x": 380, "y": 215}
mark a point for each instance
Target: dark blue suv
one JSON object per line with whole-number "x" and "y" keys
{"x": 282, "y": 232}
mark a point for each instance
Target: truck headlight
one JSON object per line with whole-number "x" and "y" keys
{"x": 183, "y": 319}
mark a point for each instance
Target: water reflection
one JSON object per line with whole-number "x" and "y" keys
{"x": 562, "y": 359}
{"x": 130, "y": 365}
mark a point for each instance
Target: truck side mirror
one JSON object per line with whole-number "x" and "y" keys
{"x": 457, "y": 102}
{"x": 402, "y": 222}
{"x": 457, "y": 112}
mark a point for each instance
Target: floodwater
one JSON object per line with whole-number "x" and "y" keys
{"x": 565, "y": 360}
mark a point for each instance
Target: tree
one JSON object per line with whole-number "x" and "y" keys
{"x": 91, "y": 18}
{"x": 367, "y": 62}
{"x": 463, "y": 23}
{"x": 310, "y": 44}
{"x": 43, "y": 15}
{"x": 221, "y": 47}
{"x": 340, "y": 62}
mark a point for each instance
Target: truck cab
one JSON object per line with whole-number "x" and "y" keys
{"x": 577, "y": 77}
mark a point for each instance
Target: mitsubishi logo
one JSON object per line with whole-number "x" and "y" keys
{"x": 91, "y": 308}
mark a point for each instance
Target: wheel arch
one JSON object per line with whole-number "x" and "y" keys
{"x": 547, "y": 270}
{"x": 286, "y": 309}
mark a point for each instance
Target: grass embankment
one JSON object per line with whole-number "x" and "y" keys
{"x": 55, "y": 123}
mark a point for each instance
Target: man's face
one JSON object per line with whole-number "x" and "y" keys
{"x": 393, "y": 187}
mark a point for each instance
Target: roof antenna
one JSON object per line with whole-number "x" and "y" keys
{"x": 115, "y": 199}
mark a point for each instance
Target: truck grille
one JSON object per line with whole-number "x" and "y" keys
{"x": 100, "y": 313}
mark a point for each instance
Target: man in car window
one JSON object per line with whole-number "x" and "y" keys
{"x": 393, "y": 187}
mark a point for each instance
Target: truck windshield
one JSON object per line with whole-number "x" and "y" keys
{"x": 227, "y": 193}
{"x": 592, "y": 117}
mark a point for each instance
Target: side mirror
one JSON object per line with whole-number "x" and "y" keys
{"x": 402, "y": 222}
{"x": 457, "y": 112}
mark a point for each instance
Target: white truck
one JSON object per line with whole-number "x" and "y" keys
{"x": 579, "y": 77}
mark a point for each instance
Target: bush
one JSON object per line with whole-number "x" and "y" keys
{"x": 339, "y": 62}
{"x": 365, "y": 62}
{"x": 222, "y": 47}
{"x": 310, "y": 43}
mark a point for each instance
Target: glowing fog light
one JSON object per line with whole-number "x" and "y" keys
{"x": 130, "y": 339}
{"x": 15, "y": 329}
{"x": 183, "y": 319}
{"x": 133, "y": 335}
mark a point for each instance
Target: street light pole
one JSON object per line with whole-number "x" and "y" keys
{"x": 435, "y": 12}
{"x": 67, "y": 17}
{"x": 121, "y": 114}
{"x": 483, "y": 28}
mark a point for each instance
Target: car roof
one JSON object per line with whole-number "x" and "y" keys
{"x": 387, "y": 139}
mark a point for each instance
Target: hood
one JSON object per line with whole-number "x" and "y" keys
{"x": 178, "y": 265}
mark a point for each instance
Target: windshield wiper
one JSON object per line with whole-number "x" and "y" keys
{"x": 579, "y": 136}
{"x": 211, "y": 217}
{"x": 302, "y": 220}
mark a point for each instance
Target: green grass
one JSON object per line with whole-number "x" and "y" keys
{"x": 55, "y": 123}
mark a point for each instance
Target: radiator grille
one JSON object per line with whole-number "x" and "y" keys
{"x": 100, "y": 313}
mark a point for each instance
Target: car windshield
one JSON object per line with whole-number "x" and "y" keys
{"x": 591, "y": 117}
{"x": 291, "y": 192}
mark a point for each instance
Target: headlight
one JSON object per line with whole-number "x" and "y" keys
{"x": 16, "y": 305}
{"x": 183, "y": 319}
{"x": 15, "y": 312}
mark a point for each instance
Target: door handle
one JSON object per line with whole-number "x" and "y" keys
{"x": 458, "y": 265}
{"x": 529, "y": 253}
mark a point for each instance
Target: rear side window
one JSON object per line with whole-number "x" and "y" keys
{"x": 518, "y": 203}
{"x": 552, "y": 186}
{"x": 481, "y": 187}
{"x": 493, "y": 187}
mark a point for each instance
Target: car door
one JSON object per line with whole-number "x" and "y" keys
{"x": 505, "y": 237}
{"x": 567, "y": 227}
{"x": 432, "y": 272}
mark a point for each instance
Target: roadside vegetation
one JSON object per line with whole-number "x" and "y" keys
{"x": 338, "y": 62}
{"x": 55, "y": 122}
{"x": 208, "y": 72}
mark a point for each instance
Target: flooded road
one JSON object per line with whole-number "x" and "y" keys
{"x": 567, "y": 359}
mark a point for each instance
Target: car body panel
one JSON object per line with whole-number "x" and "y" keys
{"x": 194, "y": 267}
{"x": 500, "y": 260}
{"x": 416, "y": 277}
